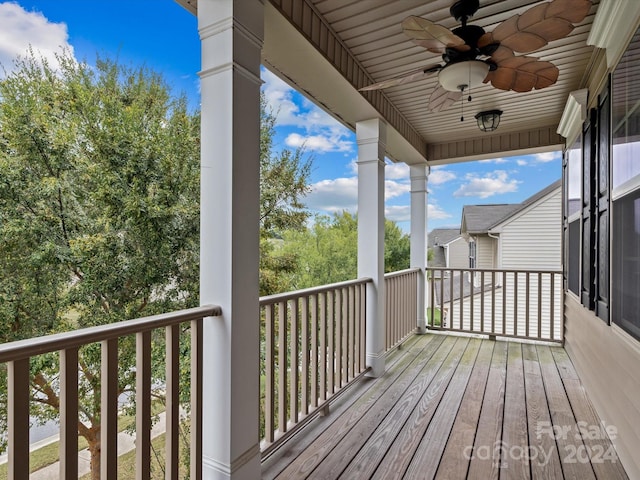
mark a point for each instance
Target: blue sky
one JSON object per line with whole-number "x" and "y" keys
{"x": 163, "y": 36}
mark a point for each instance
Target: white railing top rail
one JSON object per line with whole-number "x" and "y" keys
{"x": 30, "y": 347}
{"x": 402, "y": 272}
{"x": 283, "y": 297}
{"x": 496, "y": 270}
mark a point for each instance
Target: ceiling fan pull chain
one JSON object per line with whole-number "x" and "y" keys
{"x": 462, "y": 104}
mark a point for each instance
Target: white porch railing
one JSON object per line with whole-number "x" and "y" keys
{"x": 523, "y": 304}
{"x": 313, "y": 346}
{"x": 401, "y": 305}
{"x": 17, "y": 356}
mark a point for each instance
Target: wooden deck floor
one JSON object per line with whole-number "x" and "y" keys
{"x": 455, "y": 407}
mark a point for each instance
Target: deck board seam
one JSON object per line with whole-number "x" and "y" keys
{"x": 408, "y": 358}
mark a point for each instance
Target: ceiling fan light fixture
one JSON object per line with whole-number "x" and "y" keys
{"x": 488, "y": 121}
{"x": 463, "y": 75}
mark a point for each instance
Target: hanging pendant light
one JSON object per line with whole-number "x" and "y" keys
{"x": 488, "y": 121}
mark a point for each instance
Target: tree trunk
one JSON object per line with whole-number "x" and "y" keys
{"x": 94, "y": 450}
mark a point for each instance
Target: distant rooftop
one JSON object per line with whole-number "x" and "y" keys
{"x": 482, "y": 218}
{"x": 442, "y": 236}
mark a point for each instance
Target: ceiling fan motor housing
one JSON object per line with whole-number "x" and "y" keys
{"x": 461, "y": 76}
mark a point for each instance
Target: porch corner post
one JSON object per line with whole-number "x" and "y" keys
{"x": 371, "y": 139}
{"x": 231, "y": 32}
{"x": 418, "y": 258}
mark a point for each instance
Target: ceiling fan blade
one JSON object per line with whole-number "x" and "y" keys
{"x": 431, "y": 36}
{"x": 539, "y": 25}
{"x": 523, "y": 74}
{"x": 411, "y": 76}
{"x": 442, "y": 99}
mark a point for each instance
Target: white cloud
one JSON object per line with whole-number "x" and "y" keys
{"x": 497, "y": 161}
{"x": 322, "y": 132}
{"x": 341, "y": 194}
{"x": 547, "y": 157}
{"x": 402, "y": 213}
{"x": 334, "y": 195}
{"x": 434, "y": 212}
{"x": 318, "y": 143}
{"x": 279, "y": 97}
{"x": 487, "y": 186}
{"x": 394, "y": 189}
{"x": 521, "y": 162}
{"x": 398, "y": 213}
{"x": 396, "y": 171}
{"x": 20, "y": 29}
{"x": 440, "y": 176}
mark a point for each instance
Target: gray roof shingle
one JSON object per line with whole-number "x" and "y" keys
{"x": 482, "y": 218}
{"x": 442, "y": 236}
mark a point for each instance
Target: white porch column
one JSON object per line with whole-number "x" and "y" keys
{"x": 371, "y": 139}
{"x": 419, "y": 174}
{"x": 231, "y": 32}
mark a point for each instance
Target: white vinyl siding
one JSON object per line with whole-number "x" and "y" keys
{"x": 532, "y": 239}
{"x": 486, "y": 252}
{"x": 529, "y": 240}
{"x": 459, "y": 253}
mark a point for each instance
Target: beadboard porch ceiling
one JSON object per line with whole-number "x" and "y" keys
{"x": 327, "y": 49}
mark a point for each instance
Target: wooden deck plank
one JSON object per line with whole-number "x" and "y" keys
{"x": 444, "y": 400}
{"x": 594, "y": 433}
{"x": 514, "y": 461}
{"x": 275, "y": 464}
{"x": 545, "y": 462}
{"x": 385, "y": 389}
{"x": 398, "y": 457}
{"x": 562, "y": 419}
{"x": 427, "y": 458}
{"x": 422, "y": 376}
{"x": 484, "y": 463}
{"x": 366, "y": 461}
{"x": 454, "y": 463}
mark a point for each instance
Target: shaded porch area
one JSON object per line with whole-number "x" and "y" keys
{"x": 457, "y": 407}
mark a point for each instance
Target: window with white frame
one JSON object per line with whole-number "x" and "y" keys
{"x": 472, "y": 254}
{"x": 573, "y": 208}
{"x": 625, "y": 281}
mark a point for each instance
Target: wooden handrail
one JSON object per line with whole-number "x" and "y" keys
{"x": 283, "y": 297}
{"x": 21, "y": 349}
{"x": 496, "y": 270}
{"x": 400, "y": 273}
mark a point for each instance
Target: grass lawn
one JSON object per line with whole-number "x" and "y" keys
{"x": 436, "y": 317}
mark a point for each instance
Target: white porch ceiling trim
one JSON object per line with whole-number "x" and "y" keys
{"x": 613, "y": 26}
{"x": 575, "y": 113}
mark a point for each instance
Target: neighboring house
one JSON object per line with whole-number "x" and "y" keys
{"x": 449, "y": 249}
{"x": 525, "y": 236}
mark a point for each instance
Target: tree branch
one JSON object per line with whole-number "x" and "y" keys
{"x": 52, "y": 399}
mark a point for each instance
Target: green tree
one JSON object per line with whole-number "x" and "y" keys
{"x": 328, "y": 251}
{"x": 284, "y": 181}
{"x": 99, "y": 219}
{"x": 397, "y": 248}
{"x": 99, "y": 213}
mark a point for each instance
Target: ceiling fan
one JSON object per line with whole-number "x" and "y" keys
{"x": 472, "y": 56}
